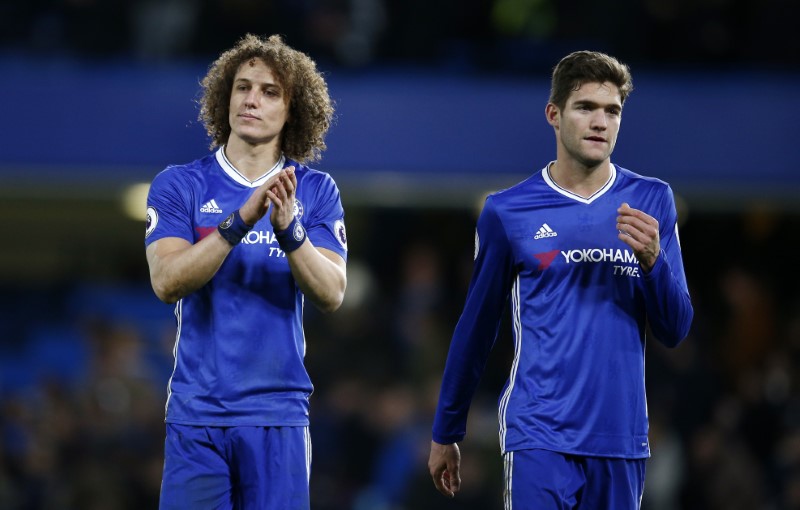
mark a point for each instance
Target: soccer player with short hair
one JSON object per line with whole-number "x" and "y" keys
{"x": 588, "y": 253}
{"x": 238, "y": 239}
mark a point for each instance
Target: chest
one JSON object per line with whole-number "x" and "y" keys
{"x": 572, "y": 240}
{"x": 213, "y": 201}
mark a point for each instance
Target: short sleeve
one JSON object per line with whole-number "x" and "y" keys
{"x": 168, "y": 209}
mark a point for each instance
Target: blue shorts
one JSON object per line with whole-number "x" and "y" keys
{"x": 241, "y": 468}
{"x": 546, "y": 480}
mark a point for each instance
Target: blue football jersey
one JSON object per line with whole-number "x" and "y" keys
{"x": 240, "y": 345}
{"x": 580, "y": 304}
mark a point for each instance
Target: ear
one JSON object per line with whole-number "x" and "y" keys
{"x": 552, "y": 114}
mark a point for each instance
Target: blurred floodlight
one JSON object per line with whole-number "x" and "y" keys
{"x": 360, "y": 285}
{"x": 134, "y": 201}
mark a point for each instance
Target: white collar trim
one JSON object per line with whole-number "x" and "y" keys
{"x": 594, "y": 196}
{"x": 237, "y": 176}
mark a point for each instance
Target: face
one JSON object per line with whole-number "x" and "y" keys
{"x": 259, "y": 107}
{"x": 587, "y": 127}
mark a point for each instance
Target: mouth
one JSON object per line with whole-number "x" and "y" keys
{"x": 248, "y": 116}
{"x": 598, "y": 139}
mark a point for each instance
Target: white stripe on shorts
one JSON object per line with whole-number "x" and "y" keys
{"x": 307, "y": 437}
{"x": 508, "y": 468}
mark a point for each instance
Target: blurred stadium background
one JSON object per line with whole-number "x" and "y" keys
{"x": 438, "y": 104}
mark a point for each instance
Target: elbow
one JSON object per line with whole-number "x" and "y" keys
{"x": 672, "y": 339}
{"x": 332, "y": 303}
{"x": 166, "y": 297}
{"x": 333, "y": 300}
{"x": 329, "y": 307}
{"x": 169, "y": 299}
{"x": 167, "y": 293}
{"x": 672, "y": 342}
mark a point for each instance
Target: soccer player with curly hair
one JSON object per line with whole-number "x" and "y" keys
{"x": 238, "y": 240}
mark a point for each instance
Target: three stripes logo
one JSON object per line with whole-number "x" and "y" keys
{"x": 211, "y": 207}
{"x": 545, "y": 231}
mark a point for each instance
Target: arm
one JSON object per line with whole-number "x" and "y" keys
{"x": 472, "y": 342}
{"x": 320, "y": 273}
{"x": 178, "y": 267}
{"x": 669, "y": 307}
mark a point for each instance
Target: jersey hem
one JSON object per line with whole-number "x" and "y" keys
{"x": 580, "y": 453}
{"x": 239, "y": 423}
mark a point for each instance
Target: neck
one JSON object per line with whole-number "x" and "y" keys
{"x": 251, "y": 160}
{"x": 579, "y": 179}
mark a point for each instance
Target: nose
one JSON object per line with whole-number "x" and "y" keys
{"x": 251, "y": 99}
{"x": 599, "y": 120}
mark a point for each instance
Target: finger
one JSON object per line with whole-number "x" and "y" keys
{"x": 444, "y": 484}
{"x": 272, "y": 180}
{"x": 280, "y": 190}
{"x": 292, "y": 176}
{"x": 635, "y": 245}
{"x": 454, "y": 472}
{"x": 633, "y": 237}
{"x": 643, "y": 232}
{"x": 629, "y": 213}
{"x": 628, "y": 227}
{"x": 278, "y": 198}
{"x": 437, "y": 474}
{"x": 288, "y": 185}
{"x": 633, "y": 224}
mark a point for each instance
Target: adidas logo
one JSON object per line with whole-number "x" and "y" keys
{"x": 211, "y": 207}
{"x": 545, "y": 231}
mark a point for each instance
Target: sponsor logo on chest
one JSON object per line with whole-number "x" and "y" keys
{"x": 622, "y": 261}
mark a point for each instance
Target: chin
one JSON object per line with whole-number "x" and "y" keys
{"x": 252, "y": 138}
{"x": 591, "y": 164}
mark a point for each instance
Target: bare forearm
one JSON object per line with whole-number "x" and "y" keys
{"x": 176, "y": 271}
{"x": 321, "y": 279}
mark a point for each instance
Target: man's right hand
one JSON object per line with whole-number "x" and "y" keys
{"x": 444, "y": 464}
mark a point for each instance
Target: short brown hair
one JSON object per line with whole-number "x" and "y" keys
{"x": 310, "y": 106}
{"x": 582, "y": 67}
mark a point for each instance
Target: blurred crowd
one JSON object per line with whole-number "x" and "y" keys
{"x": 514, "y": 35}
{"x": 85, "y": 365}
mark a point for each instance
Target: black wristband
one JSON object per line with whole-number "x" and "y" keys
{"x": 233, "y": 229}
{"x": 293, "y": 237}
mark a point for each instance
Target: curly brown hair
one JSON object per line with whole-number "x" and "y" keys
{"x": 310, "y": 106}
{"x": 582, "y": 67}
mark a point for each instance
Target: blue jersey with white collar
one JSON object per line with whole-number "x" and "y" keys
{"x": 580, "y": 305}
{"x": 240, "y": 345}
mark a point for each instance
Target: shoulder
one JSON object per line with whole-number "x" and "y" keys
{"x": 522, "y": 190}
{"x": 187, "y": 172}
{"x": 654, "y": 195}
{"x": 521, "y": 187}
{"x": 309, "y": 173}
{"x": 645, "y": 186}
{"x": 319, "y": 181}
{"x": 633, "y": 177}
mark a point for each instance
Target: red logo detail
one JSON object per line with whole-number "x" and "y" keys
{"x": 202, "y": 232}
{"x": 545, "y": 259}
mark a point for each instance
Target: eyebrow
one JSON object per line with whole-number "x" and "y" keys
{"x": 593, "y": 104}
{"x": 274, "y": 84}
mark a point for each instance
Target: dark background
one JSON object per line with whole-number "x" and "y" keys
{"x": 438, "y": 103}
